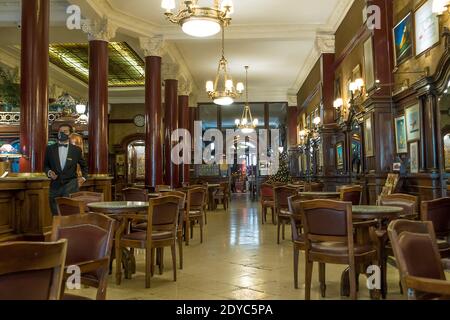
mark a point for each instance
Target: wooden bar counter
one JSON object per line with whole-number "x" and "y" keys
{"x": 24, "y": 207}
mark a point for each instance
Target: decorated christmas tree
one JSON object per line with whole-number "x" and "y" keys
{"x": 283, "y": 174}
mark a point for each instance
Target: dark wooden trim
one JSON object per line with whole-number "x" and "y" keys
{"x": 311, "y": 96}
{"x": 362, "y": 34}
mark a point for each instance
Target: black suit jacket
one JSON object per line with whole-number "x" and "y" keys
{"x": 74, "y": 157}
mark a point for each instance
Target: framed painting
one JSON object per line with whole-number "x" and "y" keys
{"x": 340, "y": 155}
{"x": 369, "y": 72}
{"x": 426, "y": 27}
{"x": 413, "y": 123}
{"x": 356, "y": 73}
{"x": 447, "y": 151}
{"x": 414, "y": 155}
{"x": 308, "y": 122}
{"x": 403, "y": 39}
{"x": 400, "y": 135}
{"x": 368, "y": 137}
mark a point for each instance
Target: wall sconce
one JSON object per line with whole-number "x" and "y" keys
{"x": 317, "y": 121}
{"x": 81, "y": 108}
{"x": 356, "y": 86}
{"x": 440, "y": 6}
{"x": 338, "y": 103}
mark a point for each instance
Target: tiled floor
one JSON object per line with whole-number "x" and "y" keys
{"x": 239, "y": 259}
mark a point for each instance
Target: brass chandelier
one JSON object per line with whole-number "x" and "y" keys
{"x": 222, "y": 90}
{"x": 246, "y": 124}
{"x": 199, "y": 21}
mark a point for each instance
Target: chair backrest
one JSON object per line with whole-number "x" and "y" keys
{"x": 90, "y": 236}
{"x": 281, "y": 195}
{"x": 68, "y": 206}
{"x": 182, "y": 203}
{"x": 438, "y": 212}
{"x": 314, "y": 187}
{"x": 88, "y": 197}
{"x": 351, "y": 194}
{"x": 327, "y": 220}
{"x": 135, "y": 194}
{"x": 415, "y": 249}
{"x": 196, "y": 199}
{"x": 32, "y": 270}
{"x": 163, "y": 213}
{"x": 266, "y": 191}
{"x": 406, "y": 201}
{"x": 296, "y": 216}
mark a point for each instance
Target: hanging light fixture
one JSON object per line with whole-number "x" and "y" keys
{"x": 247, "y": 124}
{"x": 199, "y": 21}
{"x": 440, "y": 6}
{"x": 222, "y": 90}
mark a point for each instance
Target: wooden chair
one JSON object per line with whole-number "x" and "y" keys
{"x": 351, "y": 194}
{"x": 438, "y": 212}
{"x": 281, "y": 195}
{"x": 162, "y": 218}
{"x": 88, "y": 197}
{"x": 329, "y": 231}
{"x": 222, "y": 196}
{"x": 314, "y": 187}
{"x": 298, "y": 239}
{"x": 422, "y": 275}
{"x": 408, "y": 202}
{"x": 180, "y": 227}
{"x": 68, "y": 206}
{"x": 267, "y": 201}
{"x": 135, "y": 194}
{"x": 195, "y": 211}
{"x": 32, "y": 270}
{"x": 90, "y": 238}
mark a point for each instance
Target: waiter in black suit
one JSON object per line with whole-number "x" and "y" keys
{"x": 61, "y": 162}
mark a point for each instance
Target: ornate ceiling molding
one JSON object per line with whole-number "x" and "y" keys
{"x": 184, "y": 87}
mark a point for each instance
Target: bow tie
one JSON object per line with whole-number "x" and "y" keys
{"x": 63, "y": 145}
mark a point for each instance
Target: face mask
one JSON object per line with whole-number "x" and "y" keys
{"x": 62, "y": 137}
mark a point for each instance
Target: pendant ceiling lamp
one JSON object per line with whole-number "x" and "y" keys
{"x": 247, "y": 124}
{"x": 197, "y": 20}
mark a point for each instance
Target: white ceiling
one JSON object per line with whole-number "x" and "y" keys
{"x": 276, "y": 38}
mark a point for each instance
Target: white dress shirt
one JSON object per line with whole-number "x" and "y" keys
{"x": 63, "y": 151}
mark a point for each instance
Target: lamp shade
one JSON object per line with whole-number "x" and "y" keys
{"x": 168, "y": 4}
{"x": 201, "y": 27}
{"x": 81, "y": 108}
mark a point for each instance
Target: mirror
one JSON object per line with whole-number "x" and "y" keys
{"x": 136, "y": 162}
{"x": 356, "y": 150}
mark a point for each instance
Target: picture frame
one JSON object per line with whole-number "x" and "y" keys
{"x": 340, "y": 155}
{"x": 413, "y": 122}
{"x": 308, "y": 122}
{"x": 426, "y": 28}
{"x": 400, "y": 135}
{"x": 446, "y": 145}
{"x": 403, "y": 39}
{"x": 414, "y": 156}
{"x": 356, "y": 72}
{"x": 369, "y": 72}
{"x": 368, "y": 137}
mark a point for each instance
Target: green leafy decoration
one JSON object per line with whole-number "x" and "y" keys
{"x": 10, "y": 87}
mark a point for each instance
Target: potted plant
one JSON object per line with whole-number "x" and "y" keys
{"x": 9, "y": 89}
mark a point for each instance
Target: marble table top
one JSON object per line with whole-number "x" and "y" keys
{"x": 319, "y": 193}
{"x": 121, "y": 206}
{"x": 376, "y": 212}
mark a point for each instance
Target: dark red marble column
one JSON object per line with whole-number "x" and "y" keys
{"x": 171, "y": 173}
{"x": 183, "y": 123}
{"x": 292, "y": 127}
{"x": 98, "y": 107}
{"x": 153, "y": 116}
{"x": 34, "y": 84}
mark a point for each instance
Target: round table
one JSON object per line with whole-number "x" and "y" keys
{"x": 383, "y": 215}
{"x": 118, "y": 208}
{"x": 320, "y": 195}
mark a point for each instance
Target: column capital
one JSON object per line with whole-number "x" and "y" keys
{"x": 152, "y": 46}
{"x": 170, "y": 71}
{"x": 101, "y": 30}
{"x": 292, "y": 100}
{"x": 184, "y": 87}
{"x": 325, "y": 43}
